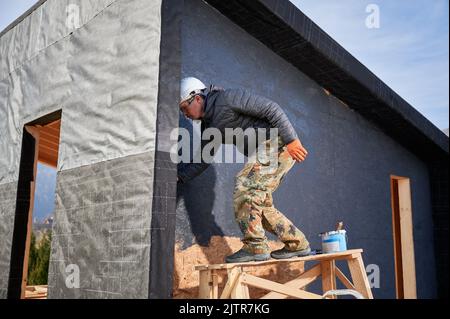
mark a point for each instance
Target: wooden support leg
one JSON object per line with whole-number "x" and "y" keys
{"x": 328, "y": 276}
{"x": 215, "y": 285}
{"x": 347, "y": 283}
{"x": 240, "y": 289}
{"x": 233, "y": 276}
{"x": 245, "y": 292}
{"x": 359, "y": 276}
{"x": 205, "y": 287}
{"x": 244, "y": 288}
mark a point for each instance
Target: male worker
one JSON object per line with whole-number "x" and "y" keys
{"x": 253, "y": 207}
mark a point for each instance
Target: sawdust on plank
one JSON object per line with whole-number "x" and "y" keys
{"x": 185, "y": 284}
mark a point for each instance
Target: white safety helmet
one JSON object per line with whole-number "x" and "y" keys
{"x": 189, "y": 87}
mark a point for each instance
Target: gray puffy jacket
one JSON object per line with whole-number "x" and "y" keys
{"x": 238, "y": 108}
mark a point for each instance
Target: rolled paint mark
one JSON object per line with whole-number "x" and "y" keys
{"x": 73, "y": 277}
{"x": 373, "y": 19}
{"x": 73, "y": 16}
{"x": 373, "y": 274}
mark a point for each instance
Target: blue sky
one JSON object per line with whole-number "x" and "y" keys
{"x": 44, "y": 200}
{"x": 10, "y": 10}
{"x": 409, "y": 51}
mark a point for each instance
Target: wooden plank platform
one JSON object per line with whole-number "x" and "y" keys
{"x": 238, "y": 280}
{"x": 321, "y": 257}
{"x": 36, "y": 292}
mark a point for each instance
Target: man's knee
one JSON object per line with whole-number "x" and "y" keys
{"x": 239, "y": 200}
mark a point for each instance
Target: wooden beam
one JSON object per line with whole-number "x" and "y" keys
{"x": 245, "y": 292}
{"x": 205, "y": 287}
{"x": 305, "y": 279}
{"x": 273, "y": 286}
{"x": 51, "y": 130}
{"x": 49, "y": 162}
{"x": 240, "y": 289}
{"x": 215, "y": 285}
{"x": 51, "y": 138}
{"x": 349, "y": 254}
{"x": 48, "y": 154}
{"x": 233, "y": 275}
{"x": 347, "y": 283}
{"x": 397, "y": 239}
{"x": 49, "y": 135}
{"x": 407, "y": 239}
{"x": 35, "y": 133}
{"x": 328, "y": 276}
{"x": 49, "y": 144}
{"x": 55, "y": 125}
{"x": 359, "y": 277}
{"x": 48, "y": 150}
{"x": 48, "y": 159}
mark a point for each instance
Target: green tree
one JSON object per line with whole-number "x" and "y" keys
{"x": 32, "y": 258}
{"x": 39, "y": 260}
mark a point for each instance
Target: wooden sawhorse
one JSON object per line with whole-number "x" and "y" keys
{"x": 238, "y": 280}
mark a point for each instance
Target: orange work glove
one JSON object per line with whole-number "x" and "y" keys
{"x": 297, "y": 151}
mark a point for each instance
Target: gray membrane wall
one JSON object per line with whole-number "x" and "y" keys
{"x": 345, "y": 178}
{"x": 103, "y": 71}
{"x": 7, "y": 205}
{"x": 103, "y": 221}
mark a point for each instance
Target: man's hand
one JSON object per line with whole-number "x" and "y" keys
{"x": 297, "y": 151}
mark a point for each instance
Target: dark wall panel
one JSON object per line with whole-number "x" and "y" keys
{"x": 439, "y": 190}
{"x": 346, "y": 176}
{"x": 164, "y": 189}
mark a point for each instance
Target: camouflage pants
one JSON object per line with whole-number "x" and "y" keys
{"x": 253, "y": 206}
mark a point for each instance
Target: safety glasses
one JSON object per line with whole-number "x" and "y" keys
{"x": 186, "y": 104}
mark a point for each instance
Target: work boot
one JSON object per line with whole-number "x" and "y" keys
{"x": 285, "y": 254}
{"x": 242, "y": 256}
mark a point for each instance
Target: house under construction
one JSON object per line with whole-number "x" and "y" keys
{"x": 91, "y": 88}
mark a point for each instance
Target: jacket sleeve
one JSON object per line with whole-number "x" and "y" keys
{"x": 188, "y": 171}
{"x": 247, "y": 103}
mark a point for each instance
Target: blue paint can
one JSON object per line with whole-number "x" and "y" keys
{"x": 334, "y": 241}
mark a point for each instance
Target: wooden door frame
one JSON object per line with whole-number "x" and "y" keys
{"x": 24, "y": 206}
{"x": 403, "y": 237}
{"x": 34, "y": 131}
{"x": 23, "y": 218}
